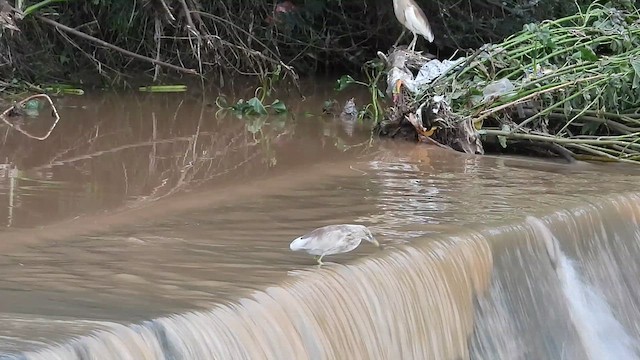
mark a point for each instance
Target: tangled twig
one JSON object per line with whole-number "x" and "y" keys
{"x": 111, "y": 46}
{"x": 4, "y": 114}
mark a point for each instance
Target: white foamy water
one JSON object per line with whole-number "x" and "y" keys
{"x": 601, "y": 334}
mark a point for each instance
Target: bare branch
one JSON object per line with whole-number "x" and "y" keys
{"x": 111, "y": 46}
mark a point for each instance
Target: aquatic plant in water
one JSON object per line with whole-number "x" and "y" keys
{"x": 257, "y": 105}
{"x": 374, "y": 71}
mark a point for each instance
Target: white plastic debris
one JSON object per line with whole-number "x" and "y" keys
{"x": 428, "y": 72}
{"x": 434, "y": 68}
{"x": 497, "y": 89}
{"x": 439, "y": 103}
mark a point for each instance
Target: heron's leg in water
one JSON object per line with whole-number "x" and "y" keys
{"x": 400, "y": 37}
{"x": 319, "y": 259}
{"x": 412, "y": 45}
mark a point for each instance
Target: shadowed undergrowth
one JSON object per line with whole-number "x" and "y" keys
{"x": 118, "y": 40}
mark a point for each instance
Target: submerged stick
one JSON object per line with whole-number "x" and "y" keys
{"x": 4, "y": 114}
{"x": 114, "y": 47}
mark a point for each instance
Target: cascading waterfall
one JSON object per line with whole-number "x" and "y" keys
{"x": 601, "y": 335}
{"x": 407, "y": 303}
{"x": 559, "y": 288}
{"x": 562, "y": 286}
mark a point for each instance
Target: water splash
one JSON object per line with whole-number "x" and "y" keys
{"x": 602, "y": 336}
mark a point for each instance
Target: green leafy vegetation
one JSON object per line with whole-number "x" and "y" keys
{"x": 35, "y": 7}
{"x": 252, "y": 107}
{"x": 257, "y": 105}
{"x": 573, "y": 82}
{"x": 374, "y": 72}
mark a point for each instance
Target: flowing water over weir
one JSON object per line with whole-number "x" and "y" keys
{"x": 436, "y": 298}
{"x": 483, "y": 258}
{"x": 568, "y": 294}
{"x": 378, "y": 308}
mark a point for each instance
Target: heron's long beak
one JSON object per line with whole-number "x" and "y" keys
{"x": 375, "y": 242}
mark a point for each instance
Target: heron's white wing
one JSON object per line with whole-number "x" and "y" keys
{"x": 329, "y": 240}
{"x": 345, "y": 243}
{"x": 397, "y": 10}
{"x": 417, "y": 22}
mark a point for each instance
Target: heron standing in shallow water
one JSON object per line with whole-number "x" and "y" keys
{"x": 332, "y": 239}
{"x": 411, "y": 16}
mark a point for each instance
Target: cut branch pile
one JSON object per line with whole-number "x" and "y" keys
{"x": 569, "y": 86}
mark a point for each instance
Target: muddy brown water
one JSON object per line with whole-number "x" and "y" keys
{"x": 163, "y": 230}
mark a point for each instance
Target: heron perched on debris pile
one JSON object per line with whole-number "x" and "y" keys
{"x": 332, "y": 239}
{"x": 411, "y": 16}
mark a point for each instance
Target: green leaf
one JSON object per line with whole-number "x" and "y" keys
{"x": 474, "y": 91}
{"x": 241, "y": 106}
{"x": 33, "y": 104}
{"x": 503, "y": 139}
{"x": 589, "y": 128}
{"x": 587, "y": 54}
{"x": 279, "y": 106}
{"x": 635, "y": 63}
{"x": 567, "y": 108}
{"x": 33, "y": 8}
{"x": 256, "y": 106}
{"x": 64, "y": 59}
{"x": 344, "y": 82}
{"x": 530, "y": 28}
{"x": 255, "y": 125}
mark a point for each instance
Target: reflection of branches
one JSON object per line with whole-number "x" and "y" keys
{"x": 192, "y": 161}
{"x": 200, "y": 164}
{"x": 88, "y": 137}
{"x": 188, "y": 178}
{"x": 112, "y": 150}
{"x": 126, "y": 152}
